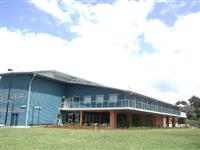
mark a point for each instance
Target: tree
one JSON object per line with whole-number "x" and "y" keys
{"x": 195, "y": 107}
{"x": 194, "y": 101}
{"x": 183, "y": 106}
{"x": 184, "y": 103}
{"x": 191, "y": 114}
{"x": 191, "y": 108}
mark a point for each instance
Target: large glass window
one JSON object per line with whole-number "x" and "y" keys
{"x": 113, "y": 97}
{"x": 99, "y": 98}
{"x": 87, "y": 99}
{"x": 76, "y": 98}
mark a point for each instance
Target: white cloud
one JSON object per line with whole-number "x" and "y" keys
{"x": 52, "y": 7}
{"x": 28, "y": 50}
{"x": 178, "y": 51}
{"x": 108, "y": 33}
{"x": 118, "y": 24}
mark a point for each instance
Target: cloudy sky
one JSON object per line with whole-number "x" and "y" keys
{"x": 150, "y": 47}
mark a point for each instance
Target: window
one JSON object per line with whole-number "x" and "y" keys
{"x": 113, "y": 97}
{"x": 87, "y": 99}
{"x": 99, "y": 98}
{"x": 76, "y": 98}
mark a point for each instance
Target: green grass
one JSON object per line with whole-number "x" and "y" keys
{"x": 130, "y": 139}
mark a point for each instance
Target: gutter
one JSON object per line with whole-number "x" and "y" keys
{"x": 28, "y": 99}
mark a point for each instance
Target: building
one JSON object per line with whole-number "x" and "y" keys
{"x": 51, "y": 97}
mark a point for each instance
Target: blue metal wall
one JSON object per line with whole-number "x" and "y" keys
{"x": 84, "y": 90}
{"x": 47, "y": 95}
{"x": 18, "y": 97}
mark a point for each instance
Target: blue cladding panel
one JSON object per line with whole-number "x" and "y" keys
{"x": 47, "y": 95}
{"x": 84, "y": 90}
{"x": 142, "y": 101}
{"x": 49, "y": 108}
{"x": 18, "y": 97}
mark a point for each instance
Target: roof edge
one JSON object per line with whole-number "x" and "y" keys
{"x": 81, "y": 81}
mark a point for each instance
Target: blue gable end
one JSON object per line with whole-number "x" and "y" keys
{"x": 45, "y": 94}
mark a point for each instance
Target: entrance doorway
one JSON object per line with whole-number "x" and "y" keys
{"x": 14, "y": 119}
{"x": 121, "y": 120}
{"x": 101, "y": 118}
{"x": 72, "y": 118}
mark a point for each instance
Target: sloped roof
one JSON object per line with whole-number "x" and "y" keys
{"x": 52, "y": 74}
{"x": 63, "y": 77}
{"x": 58, "y": 76}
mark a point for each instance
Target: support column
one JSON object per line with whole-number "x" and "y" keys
{"x": 81, "y": 118}
{"x": 161, "y": 122}
{"x": 113, "y": 119}
{"x": 174, "y": 122}
{"x": 167, "y": 120}
{"x": 164, "y": 122}
{"x": 129, "y": 119}
{"x": 170, "y": 121}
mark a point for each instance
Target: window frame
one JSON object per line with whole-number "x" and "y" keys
{"x": 113, "y": 100}
{"x": 98, "y": 101}
{"x": 87, "y": 101}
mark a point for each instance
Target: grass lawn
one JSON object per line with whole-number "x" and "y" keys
{"x": 130, "y": 139}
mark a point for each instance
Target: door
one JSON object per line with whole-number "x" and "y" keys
{"x": 14, "y": 119}
{"x": 72, "y": 118}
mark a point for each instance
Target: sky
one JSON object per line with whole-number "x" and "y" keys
{"x": 149, "y": 47}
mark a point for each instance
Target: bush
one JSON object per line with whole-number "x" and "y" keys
{"x": 195, "y": 123}
{"x": 192, "y": 123}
